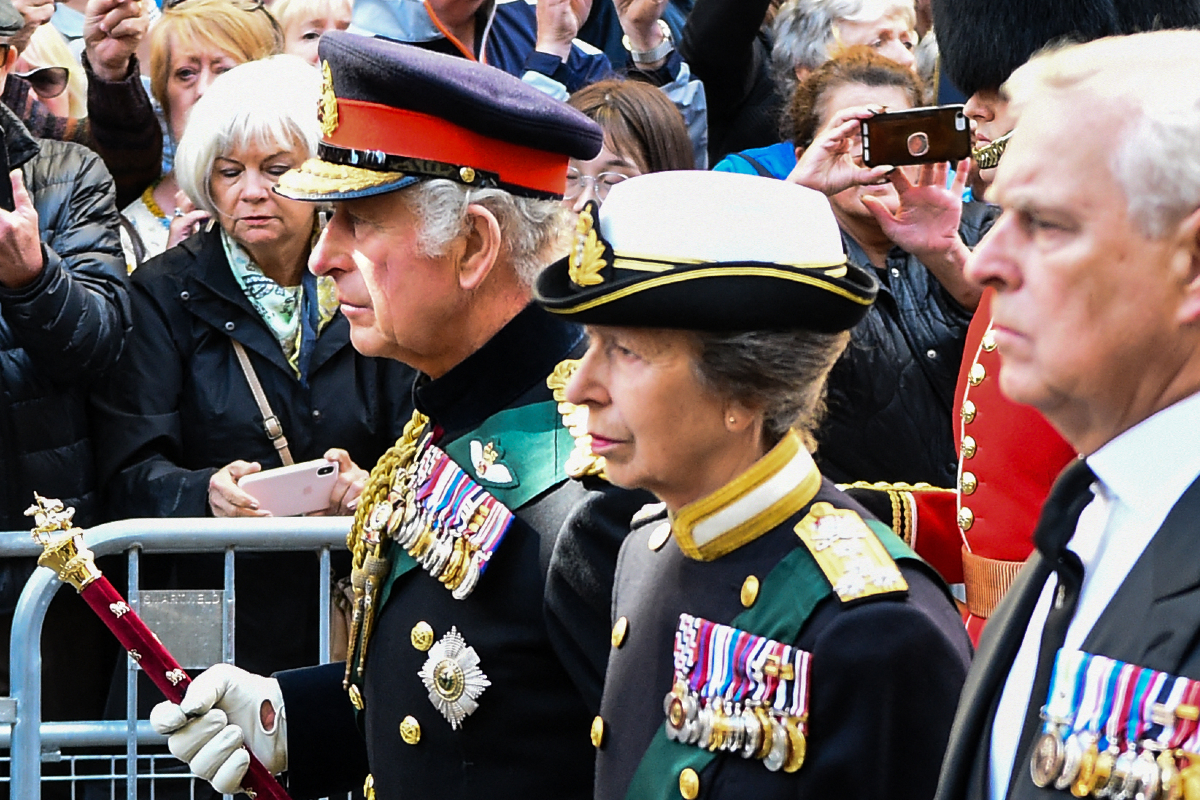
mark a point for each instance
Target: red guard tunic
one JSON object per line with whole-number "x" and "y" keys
{"x": 1008, "y": 458}
{"x": 980, "y": 533}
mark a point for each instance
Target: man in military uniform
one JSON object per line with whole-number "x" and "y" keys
{"x": 480, "y": 622}
{"x": 770, "y": 638}
{"x": 1096, "y": 317}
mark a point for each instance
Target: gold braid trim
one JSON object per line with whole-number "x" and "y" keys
{"x": 397, "y": 457}
{"x": 582, "y": 460}
{"x": 369, "y": 566}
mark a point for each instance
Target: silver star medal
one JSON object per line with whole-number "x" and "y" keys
{"x": 453, "y": 678}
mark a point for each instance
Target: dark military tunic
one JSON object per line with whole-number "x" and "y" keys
{"x": 536, "y": 619}
{"x": 886, "y": 669}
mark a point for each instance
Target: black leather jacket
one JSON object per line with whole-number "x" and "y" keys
{"x": 891, "y": 393}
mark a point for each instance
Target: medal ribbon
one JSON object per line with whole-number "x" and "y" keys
{"x": 741, "y": 680}
{"x": 800, "y": 690}
{"x": 1098, "y": 680}
{"x": 1111, "y": 721}
{"x": 1188, "y": 729}
{"x": 781, "y": 693}
{"x": 700, "y": 674}
{"x": 1156, "y": 692}
{"x": 1126, "y": 705}
{"x": 1060, "y": 703}
{"x": 1169, "y": 698}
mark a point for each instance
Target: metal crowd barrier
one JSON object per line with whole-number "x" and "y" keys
{"x": 22, "y": 731}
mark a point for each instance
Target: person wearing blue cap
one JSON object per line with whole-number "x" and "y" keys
{"x": 770, "y": 639}
{"x": 482, "y": 573}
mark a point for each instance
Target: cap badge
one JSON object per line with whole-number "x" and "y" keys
{"x": 587, "y": 253}
{"x": 453, "y": 678}
{"x": 327, "y": 110}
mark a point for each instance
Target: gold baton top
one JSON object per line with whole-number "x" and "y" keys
{"x": 64, "y": 551}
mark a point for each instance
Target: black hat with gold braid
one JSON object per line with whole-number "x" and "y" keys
{"x": 712, "y": 251}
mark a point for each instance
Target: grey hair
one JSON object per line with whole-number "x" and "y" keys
{"x": 1151, "y": 77}
{"x": 534, "y": 231}
{"x": 783, "y": 373}
{"x": 804, "y": 31}
{"x": 270, "y": 101}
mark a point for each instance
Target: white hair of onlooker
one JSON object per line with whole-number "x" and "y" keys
{"x": 272, "y": 100}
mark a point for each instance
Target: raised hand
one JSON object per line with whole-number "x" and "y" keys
{"x": 558, "y": 24}
{"x": 112, "y": 31}
{"x": 833, "y": 162}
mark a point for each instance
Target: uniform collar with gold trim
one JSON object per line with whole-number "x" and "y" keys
{"x": 778, "y": 485}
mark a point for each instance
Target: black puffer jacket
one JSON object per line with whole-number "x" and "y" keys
{"x": 891, "y": 393}
{"x": 61, "y": 332}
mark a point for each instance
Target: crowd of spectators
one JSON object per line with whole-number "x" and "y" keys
{"x": 152, "y": 285}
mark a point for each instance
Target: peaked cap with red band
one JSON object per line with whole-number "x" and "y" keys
{"x": 393, "y": 114}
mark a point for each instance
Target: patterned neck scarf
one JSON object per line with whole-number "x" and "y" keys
{"x": 284, "y": 308}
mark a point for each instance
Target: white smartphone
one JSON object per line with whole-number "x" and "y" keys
{"x": 291, "y": 491}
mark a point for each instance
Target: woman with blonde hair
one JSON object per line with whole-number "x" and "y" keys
{"x": 303, "y": 22}
{"x": 191, "y": 44}
{"x": 55, "y": 76}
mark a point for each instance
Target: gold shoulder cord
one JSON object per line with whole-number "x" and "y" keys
{"x": 370, "y": 564}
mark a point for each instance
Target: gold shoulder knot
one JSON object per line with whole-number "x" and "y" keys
{"x": 582, "y": 460}
{"x": 849, "y": 553}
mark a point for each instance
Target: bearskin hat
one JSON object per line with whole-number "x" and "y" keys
{"x": 1141, "y": 15}
{"x": 983, "y": 41}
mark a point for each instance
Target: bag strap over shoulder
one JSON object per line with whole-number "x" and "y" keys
{"x": 271, "y": 423}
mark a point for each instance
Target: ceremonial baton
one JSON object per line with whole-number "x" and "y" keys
{"x": 65, "y": 553}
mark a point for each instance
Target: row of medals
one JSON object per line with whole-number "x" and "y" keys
{"x": 441, "y": 550}
{"x": 748, "y": 730}
{"x": 1142, "y": 772}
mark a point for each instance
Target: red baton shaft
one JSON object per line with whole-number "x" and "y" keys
{"x": 66, "y": 554}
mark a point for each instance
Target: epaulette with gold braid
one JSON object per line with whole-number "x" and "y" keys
{"x": 366, "y": 542}
{"x": 853, "y": 559}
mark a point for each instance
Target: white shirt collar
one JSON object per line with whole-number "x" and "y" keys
{"x": 1149, "y": 466}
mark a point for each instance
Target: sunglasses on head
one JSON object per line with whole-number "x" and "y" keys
{"x": 47, "y": 82}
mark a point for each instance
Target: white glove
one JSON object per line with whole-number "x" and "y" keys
{"x": 221, "y": 710}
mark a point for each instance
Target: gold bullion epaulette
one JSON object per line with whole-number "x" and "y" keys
{"x": 582, "y": 461}
{"x": 900, "y": 497}
{"x": 853, "y": 559}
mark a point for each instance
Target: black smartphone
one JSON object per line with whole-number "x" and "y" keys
{"x": 917, "y": 136}
{"x": 6, "y": 195}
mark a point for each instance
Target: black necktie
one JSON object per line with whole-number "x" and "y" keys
{"x": 1071, "y": 493}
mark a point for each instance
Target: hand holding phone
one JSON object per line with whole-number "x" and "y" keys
{"x": 294, "y": 490}
{"x": 917, "y": 136}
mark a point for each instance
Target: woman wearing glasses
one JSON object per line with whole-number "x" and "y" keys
{"x": 643, "y": 133}
{"x": 46, "y": 65}
{"x": 193, "y": 42}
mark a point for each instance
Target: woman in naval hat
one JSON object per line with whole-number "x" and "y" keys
{"x": 770, "y": 638}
